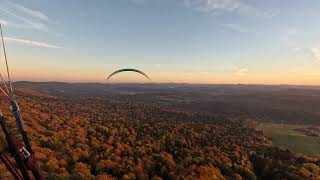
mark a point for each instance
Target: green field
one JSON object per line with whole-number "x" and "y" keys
{"x": 283, "y": 135}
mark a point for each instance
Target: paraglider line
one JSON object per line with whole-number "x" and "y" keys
{"x": 10, "y": 91}
{"x": 5, "y": 94}
{"x": 3, "y": 82}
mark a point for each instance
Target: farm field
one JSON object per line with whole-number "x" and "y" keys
{"x": 286, "y": 136}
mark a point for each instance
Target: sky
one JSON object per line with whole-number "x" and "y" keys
{"x": 173, "y": 41}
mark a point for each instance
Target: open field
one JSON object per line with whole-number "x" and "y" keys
{"x": 285, "y": 135}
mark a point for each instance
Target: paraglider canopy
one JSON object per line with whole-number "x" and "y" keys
{"x": 127, "y": 70}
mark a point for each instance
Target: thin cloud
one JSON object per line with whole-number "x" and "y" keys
{"x": 31, "y": 43}
{"x": 315, "y": 53}
{"x": 231, "y": 6}
{"x": 33, "y": 13}
{"x": 234, "y": 27}
{"x": 204, "y": 72}
{"x": 240, "y": 71}
{"x": 24, "y": 18}
{"x": 15, "y": 25}
{"x": 27, "y": 21}
{"x": 3, "y": 22}
{"x": 138, "y": 2}
{"x": 7, "y": 23}
{"x": 290, "y": 39}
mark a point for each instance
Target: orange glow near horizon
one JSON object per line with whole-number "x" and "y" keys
{"x": 29, "y": 69}
{"x": 99, "y": 76}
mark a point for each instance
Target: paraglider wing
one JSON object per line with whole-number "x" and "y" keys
{"x": 125, "y": 70}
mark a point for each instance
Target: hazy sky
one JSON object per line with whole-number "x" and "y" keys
{"x": 192, "y": 41}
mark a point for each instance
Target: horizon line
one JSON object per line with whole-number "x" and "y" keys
{"x": 119, "y": 83}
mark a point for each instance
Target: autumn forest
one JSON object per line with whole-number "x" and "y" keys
{"x": 97, "y": 138}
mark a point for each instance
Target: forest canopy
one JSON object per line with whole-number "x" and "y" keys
{"x": 93, "y": 138}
